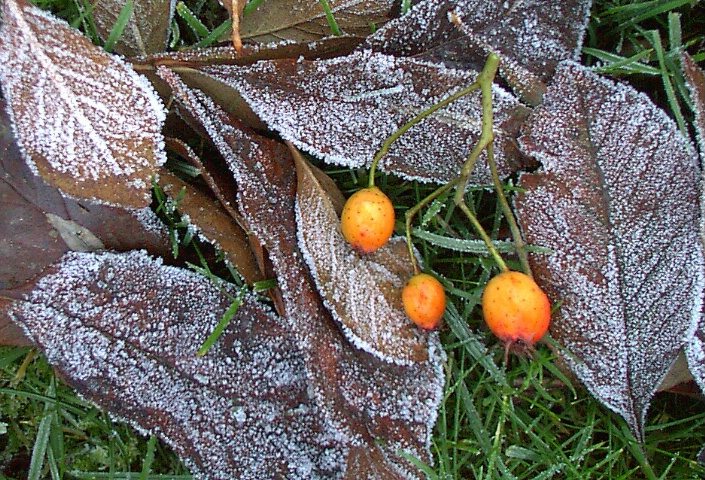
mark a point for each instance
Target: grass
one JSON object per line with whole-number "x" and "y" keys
{"x": 527, "y": 420}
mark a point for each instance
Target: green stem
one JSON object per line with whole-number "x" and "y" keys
{"x": 409, "y": 215}
{"x": 508, "y": 214}
{"x": 393, "y": 137}
{"x": 486, "y": 238}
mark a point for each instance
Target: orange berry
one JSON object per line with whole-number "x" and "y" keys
{"x": 368, "y": 219}
{"x": 515, "y": 308}
{"x": 424, "y": 300}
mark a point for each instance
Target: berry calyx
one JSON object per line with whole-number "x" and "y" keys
{"x": 367, "y": 220}
{"x": 515, "y": 308}
{"x": 424, "y": 300}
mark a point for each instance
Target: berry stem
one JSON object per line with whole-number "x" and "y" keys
{"x": 393, "y": 137}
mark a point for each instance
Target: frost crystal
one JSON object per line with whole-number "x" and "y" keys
{"x": 617, "y": 203}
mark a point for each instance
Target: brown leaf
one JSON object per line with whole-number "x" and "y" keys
{"x": 343, "y": 110}
{"x": 362, "y": 291}
{"x": 124, "y": 330}
{"x": 364, "y": 397}
{"x": 214, "y": 225}
{"x": 86, "y": 122}
{"x": 147, "y": 30}
{"x": 305, "y": 21}
{"x": 530, "y": 37}
{"x": 695, "y": 77}
{"x": 617, "y": 203}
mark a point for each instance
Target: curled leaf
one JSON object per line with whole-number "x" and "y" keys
{"x": 617, "y": 203}
{"x": 86, "y": 123}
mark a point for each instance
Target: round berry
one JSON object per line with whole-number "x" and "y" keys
{"x": 424, "y": 300}
{"x": 368, "y": 219}
{"x": 515, "y": 308}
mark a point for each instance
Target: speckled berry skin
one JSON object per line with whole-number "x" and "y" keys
{"x": 515, "y": 308}
{"x": 424, "y": 300}
{"x": 368, "y": 219}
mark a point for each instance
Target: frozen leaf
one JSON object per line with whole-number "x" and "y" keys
{"x": 617, "y": 203}
{"x": 214, "y": 225}
{"x": 343, "y": 109}
{"x": 305, "y": 20}
{"x": 695, "y": 348}
{"x": 147, "y": 30}
{"x": 124, "y": 330}
{"x": 362, "y": 291}
{"x": 379, "y": 409}
{"x": 530, "y": 37}
{"x": 86, "y": 122}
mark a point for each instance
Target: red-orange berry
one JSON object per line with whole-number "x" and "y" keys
{"x": 515, "y": 308}
{"x": 424, "y": 300}
{"x": 368, "y": 219}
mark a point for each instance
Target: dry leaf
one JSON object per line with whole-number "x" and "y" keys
{"x": 305, "y": 20}
{"x": 617, "y": 203}
{"x": 362, "y": 291}
{"x": 379, "y": 409}
{"x": 147, "y": 30}
{"x": 343, "y": 110}
{"x": 214, "y": 224}
{"x": 124, "y": 330}
{"x": 530, "y": 37}
{"x": 695, "y": 348}
{"x": 86, "y": 123}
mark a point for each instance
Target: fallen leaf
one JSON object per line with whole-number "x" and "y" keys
{"x": 344, "y": 109}
{"x": 695, "y": 77}
{"x": 147, "y": 30}
{"x": 379, "y": 409}
{"x": 305, "y": 20}
{"x": 617, "y": 203}
{"x": 86, "y": 123}
{"x": 123, "y": 330}
{"x": 530, "y": 37}
{"x": 214, "y": 224}
{"x": 362, "y": 291}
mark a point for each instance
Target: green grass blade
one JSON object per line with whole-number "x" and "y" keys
{"x": 213, "y": 37}
{"x": 149, "y": 458}
{"x": 655, "y": 39}
{"x": 191, "y": 20}
{"x": 335, "y": 30}
{"x": 120, "y": 24}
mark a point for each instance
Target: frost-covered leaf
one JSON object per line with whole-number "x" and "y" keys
{"x": 124, "y": 330}
{"x": 362, "y": 291}
{"x": 380, "y": 410}
{"x": 213, "y": 224}
{"x": 86, "y": 122}
{"x": 343, "y": 109}
{"x": 305, "y": 20}
{"x": 695, "y": 349}
{"x": 147, "y": 30}
{"x": 530, "y": 37}
{"x": 617, "y": 203}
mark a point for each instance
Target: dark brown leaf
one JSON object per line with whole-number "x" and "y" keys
{"x": 362, "y": 291}
{"x": 343, "y": 110}
{"x": 86, "y": 123}
{"x": 530, "y": 37}
{"x": 364, "y": 397}
{"x": 305, "y": 20}
{"x": 124, "y": 330}
{"x": 146, "y": 32}
{"x": 617, "y": 203}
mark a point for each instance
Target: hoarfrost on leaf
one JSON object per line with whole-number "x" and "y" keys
{"x": 617, "y": 203}
{"x": 365, "y": 398}
{"x": 86, "y": 122}
{"x": 124, "y": 329}
{"x": 343, "y": 109}
{"x": 530, "y": 37}
{"x": 362, "y": 291}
